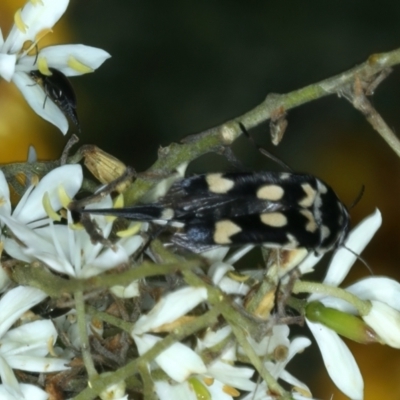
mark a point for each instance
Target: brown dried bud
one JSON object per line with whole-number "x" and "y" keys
{"x": 105, "y": 167}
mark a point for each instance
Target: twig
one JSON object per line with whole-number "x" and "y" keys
{"x": 357, "y": 96}
{"x": 171, "y": 157}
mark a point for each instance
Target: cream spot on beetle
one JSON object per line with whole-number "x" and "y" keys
{"x": 276, "y": 219}
{"x": 311, "y": 225}
{"x": 325, "y": 232}
{"x": 310, "y": 194}
{"x": 292, "y": 242}
{"x": 218, "y": 184}
{"x": 167, "y": 214}
{"x": 270, "y": 192}
{"x": 224, "y": 230}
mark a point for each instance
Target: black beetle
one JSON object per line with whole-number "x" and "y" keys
{"x": 58, "y": 88}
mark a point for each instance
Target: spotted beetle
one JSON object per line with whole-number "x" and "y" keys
{"x": 276, "y": 209}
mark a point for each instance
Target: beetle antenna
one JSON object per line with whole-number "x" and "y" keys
{"x": 359, "y": 258}
{"x": 358, "y": 197}
{"x": 263, "y": 151}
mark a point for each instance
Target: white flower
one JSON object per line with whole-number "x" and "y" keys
{"x": 169, "y": 308}
{"x": 178, "y": 361}
{"x": 114, "y": 392}
{"x": 385, "y": 321}
{"x": 338, "y": 360}
{"x": 30, "y": 209}
{"x": 384, "y": 316}
{"x": 26, "y": 346}
{"x": 33, "y": 22}
{"x": 219, "y": 269}
{"x": 70, "y": 251}
{"x": 62, "y": 248}
{"x": 279, "y": 339}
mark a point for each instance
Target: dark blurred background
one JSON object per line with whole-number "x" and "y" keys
{"x": 180, "y": 67}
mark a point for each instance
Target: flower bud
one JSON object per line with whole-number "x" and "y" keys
{"x": 344, "y": 324}
{"x": 385, "y": 320}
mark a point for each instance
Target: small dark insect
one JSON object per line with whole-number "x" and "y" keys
{"x": 58, "y": 88}
{"x": 276, "y": 209}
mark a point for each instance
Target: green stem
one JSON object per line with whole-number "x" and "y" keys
{"x": 85, "y": 345}
{"x": 362, "y": 306}
{"x": 110, "y": 319}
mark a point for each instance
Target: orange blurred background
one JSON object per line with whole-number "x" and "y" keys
{"x": 20, "y": 127}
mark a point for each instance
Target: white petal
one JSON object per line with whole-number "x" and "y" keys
{"x": 212, "y": 338}
{"x": 15, "y": 302}
{"x": 31, "y": 240}
{"x": 35, "y": 97}
{"x": 57, "y": 57}
{"x": 217, "y": 391}
{"x": 15, "y": 250}
{"x": 131, "y": 244}
{"x": 111, "y": 258}
{"x": 296, "y": 346}
{"x": 33, "y": 392}
{"x": 386, "y": 323}
{"x": 378, "y": 288}
{"x": 293, "y": 381}
{"x": 68, "y": 176}
{"x": 126, "y": 292}
{"x": 338, "y": 360}
{"x": 170, "y": 307}
{"x": 238, "y": 254}
{"x": 279, "y": 337}
{"x": 181, "y": 391}
{"x": 7, "y": 66}
{"x": 230, "y": 286}
{"x": 31, "y": 338}
{"x": 32, "y": 155}
{"x": 310, "y": 261}
{"x": 178, "y": 361}
{"x": 107, "y": 260}
{"x": 8, "y": 378}
{"x": 237, "y": 377}
{"x": 37, "y": 17}
{"x": 115, "y": 391}
{"x": 89, "y": 250}
{"x": 218, "y": 270}
{"x": 298, "y": 396}
{"x": 26, "y": 391}
{"x": 37, "y": 364}
{"x": 5, "y": 208}
{"x": 4, "y": 279}
{"x": 216, "y": 253}
{"x": 53, "y": 261}
{"x": 259, "y": 394}
{"x": 356, "y": 241}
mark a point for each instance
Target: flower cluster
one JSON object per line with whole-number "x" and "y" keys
{"x": 32, "y": 23}
{"x": 34, "y": 236}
